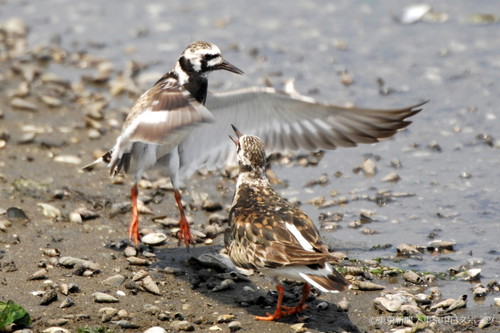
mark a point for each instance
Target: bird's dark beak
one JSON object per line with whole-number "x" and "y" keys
{"x": 236, "y": 131}
{"x": 229, "y": 67}
{"x": 236, "y": 142}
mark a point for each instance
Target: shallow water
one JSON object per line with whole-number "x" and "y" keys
{"x": 454, "y": 64}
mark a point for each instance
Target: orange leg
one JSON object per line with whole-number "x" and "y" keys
{"x": 278, "y": 313}
{"x": 133, "y": 230}
{"x": 301, "y": 306}
{"x": 184, "y": 232}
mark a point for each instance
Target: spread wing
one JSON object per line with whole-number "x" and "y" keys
{"x": 285, "y": 122}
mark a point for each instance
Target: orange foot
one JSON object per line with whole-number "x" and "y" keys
{"x": 184, "y": 232}
{"x": 133, "y": 230}
{"x": 294, "y": 309}
{"x": 278, "y": 314}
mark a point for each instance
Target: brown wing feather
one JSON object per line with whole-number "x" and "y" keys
{"x": 261, "y": 239}
{"x": 163, "y": 110}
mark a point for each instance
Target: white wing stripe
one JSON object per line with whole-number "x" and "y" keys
{"x": 298, "y": 236}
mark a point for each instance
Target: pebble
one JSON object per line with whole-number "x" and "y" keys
{"x": 479, "y": 290}
{"x": 56, "y": 330}
{"x": 86, "y": 213}
{"x": 485, "y": 322}
{"x": 67, "y": 302}
{"x": 39, "y": 275}
{"x": 413, "y": 277}
{"x": 15, "y": 214}
{"x": 234, "y": 326}
{"x": 461, "y": 302}
{"x": 155, "y": 329}
{"x": 369, "y": 167}
{"x": 322, "y": 306}
{"x": 497, "y": 301}
{"x": 137, "y": 261}
{"x": 366, "y": 286}
{"x": 343, "y": 305}
{"x": 154, "y": 238}
{"x": 49, "y": 210}
{"x": 70, "y": 262}
{"x": 68, "y": 159}
{"x": 75, "y": 218}
{"x": 51, "y": 252}
{"x": 130, "y": 251}
{"x": 392, "y": 177}
{"x": 150, "y": 285}
{"x": 114, "y": 281}
{"x": 48, "y": 297}
{"x": 224, "y": 285}
{"x": 104, "y": 298}
{"x": 299, "y": 327}
{"x": 225, "y": 318}
{"x": 23, "y": 105}
{"x": 181, "y": 325}
{"x": 125, "y": 324}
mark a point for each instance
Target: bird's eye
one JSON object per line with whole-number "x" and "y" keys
{"x": 209, "y": 56}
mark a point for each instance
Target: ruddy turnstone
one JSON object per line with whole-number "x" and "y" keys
{"x": 266, "y": 233}
{"x": 160, "y": 119}
{"x": 160, "y": 129}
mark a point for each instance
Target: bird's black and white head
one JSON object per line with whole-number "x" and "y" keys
{"x": 199, "y": 59}
{"x": 251, "y": 153}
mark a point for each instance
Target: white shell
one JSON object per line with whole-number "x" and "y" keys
{"x": 154, "y": 238}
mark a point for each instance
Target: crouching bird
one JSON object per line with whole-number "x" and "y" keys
{"x": 266, "y": 233}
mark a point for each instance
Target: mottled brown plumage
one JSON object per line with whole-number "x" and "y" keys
{"x": 268, "y": 234}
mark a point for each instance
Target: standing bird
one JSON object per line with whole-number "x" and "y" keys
{"x": 160, "y": 129}
{"x": 266, "y": 233}
{"x": 160, "y": 119}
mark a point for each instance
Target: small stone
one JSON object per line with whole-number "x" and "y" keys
{"x": 15, "y": 215}
{"x": 369, "y": 167}
{"x": 140, "y": 275}
{"x": 343, "y": 305}
{"x": 49, "y": 210}
{"x": 137, "y": 261}
{"x": 67, "y": 302}
{"x": 154, "y": 238}
{"x": 234, "y": 326}
{"x": 299, "y": 327}
{"x": 322, "y": 306}
{"x": 392, "y": 177}
{"x": 155, "y": 329}
{"x": 130, "y": 251}
{"x": 413, "y": 277}
{"x": 23, "y": 105}
{"x": 51, "y": 252}
{"x": 70, "y": 262}
{"x": 224, "y": 285}
{"x": 151, "y": 309}
{"x": 114, "y": 281}
{"x": 56, "y": 330}
{"x": 225, "y": 318}
{"x": 150, "y": 285}
{"x": 366, "y": 286}
{"x": 48, "y": 297}
{"x": 69, "y": 159}
{"x": 181, "y": 325}
{"x": 104, "y": 298}
{"x": 125, "y": 324}
{"x": 485, "y": 322}
{"x": 75, "y": 218}
{"x": 39, "y": 275}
